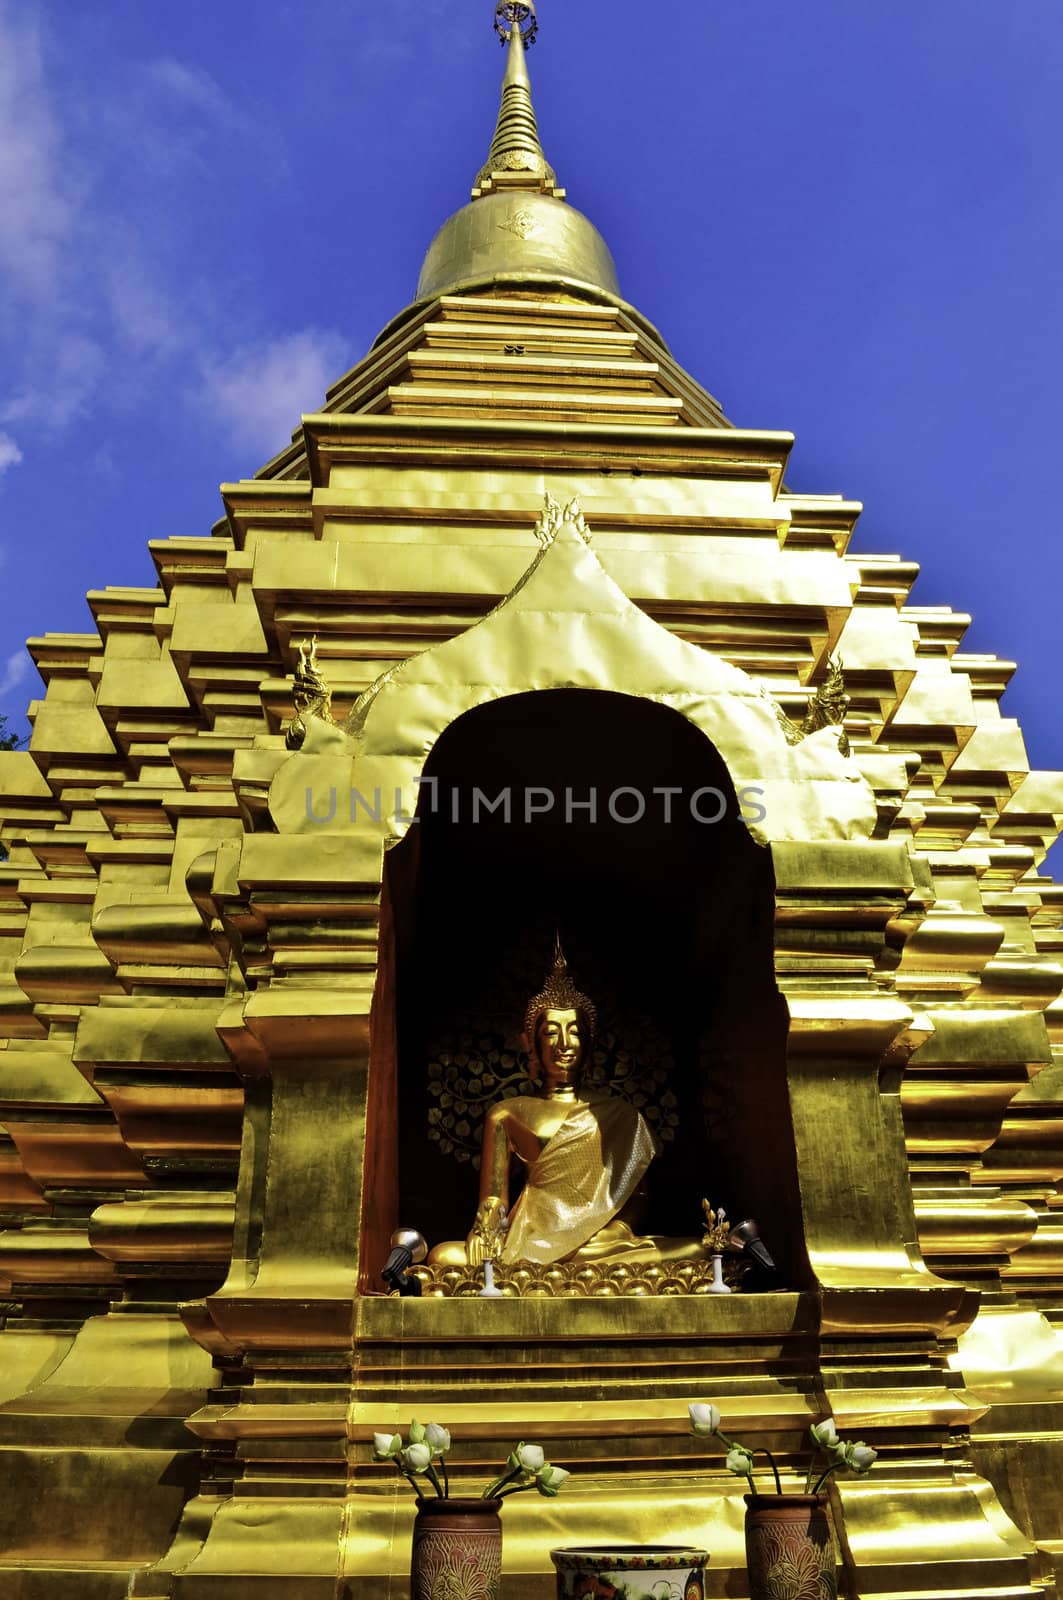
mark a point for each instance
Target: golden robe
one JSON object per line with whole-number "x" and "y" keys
{"x": 581, "y": 1179}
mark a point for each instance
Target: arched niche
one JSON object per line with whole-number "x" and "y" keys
{"x": 667, "y": 921}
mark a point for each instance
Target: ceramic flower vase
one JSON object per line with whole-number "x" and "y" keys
{"x": 630, "y": 1572}
{"x": 790, "y": 1549}
{"x": 457, "y": 1550}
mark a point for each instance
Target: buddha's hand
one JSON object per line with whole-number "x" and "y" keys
{"x": 484, "y": 1241}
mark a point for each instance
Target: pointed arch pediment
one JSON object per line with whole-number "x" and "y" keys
{"x": 567, "y": 625}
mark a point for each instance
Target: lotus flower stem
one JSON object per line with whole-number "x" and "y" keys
{"x": 494, "y": 1489}
{"x": 842, "y": 1455}
{"x": 426, "y": 1456}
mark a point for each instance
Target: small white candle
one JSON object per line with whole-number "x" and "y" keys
{"x": 489, "y": 1292}
{"x": 717, "y": 1286}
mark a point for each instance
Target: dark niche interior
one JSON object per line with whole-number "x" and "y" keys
{"x": 666, "y": 922}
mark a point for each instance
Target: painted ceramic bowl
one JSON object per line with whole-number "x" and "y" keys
{"x": 630, "y": 1572}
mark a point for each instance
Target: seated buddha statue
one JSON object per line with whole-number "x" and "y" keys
{"x": 586, "y": 1155}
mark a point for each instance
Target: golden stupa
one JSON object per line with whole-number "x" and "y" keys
{"x": 265, "y": 968}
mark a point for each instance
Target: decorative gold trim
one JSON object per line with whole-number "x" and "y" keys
{"x": 556, "y": 516}
{"x": 311, "y": 694}
{"x": 582, "y": 1280}
{"x": 826, "y": 709}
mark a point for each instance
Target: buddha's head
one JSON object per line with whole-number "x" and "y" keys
{"x": 559, "y": 1029}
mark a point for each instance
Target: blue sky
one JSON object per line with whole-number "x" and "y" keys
{"x": 846, "y": 216}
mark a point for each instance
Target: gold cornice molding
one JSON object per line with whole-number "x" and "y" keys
{"x": 333, "y": 438}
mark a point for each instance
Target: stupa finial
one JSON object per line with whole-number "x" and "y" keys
{"x": 516, "y": 153}
{"x": 519, "y": 14}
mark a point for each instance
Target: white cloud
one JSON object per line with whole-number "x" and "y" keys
{"x": 193, "y": 106}
{"x": 101, "y": 295}
{"x": 65, "y": 372}
{"x": 10, "y": 454}
{"x": 259, "y": 392}
{"x": 12, "y": 672}
{"x": 36, "y": 213}
{"x": 190, "y": 84}
{"x": 52, "y": 365}
{"x": 144, "y": 314}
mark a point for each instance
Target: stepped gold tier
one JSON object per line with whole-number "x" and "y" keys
{"x": 520, "y": 635}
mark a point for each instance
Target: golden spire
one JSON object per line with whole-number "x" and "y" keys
{"x": 515, "y": 230}
{"x": 515, "y": 149}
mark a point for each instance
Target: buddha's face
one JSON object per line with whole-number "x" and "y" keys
{"x": 558, "y": 1049}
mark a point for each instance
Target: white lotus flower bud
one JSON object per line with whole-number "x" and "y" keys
{"x": 551, "y": 1479}
{"x": 530, "y": 1457}
{"x": 860, "y": 1457}
{"x": 437, "y": 1439}
{"x": 417, "y": 1432}
{"x": 740, "y": 1461}
{"x": 416, "y": 1458}
{"x": 386, "y": 1445}
{"x": 704, "y": 1420}
{"x": 824, "y": 1434}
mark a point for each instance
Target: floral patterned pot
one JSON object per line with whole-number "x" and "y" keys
{"x": 630, "y": 1572}
{"x": 790, "y": 1549}
{"x": 457, "y": 1550}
